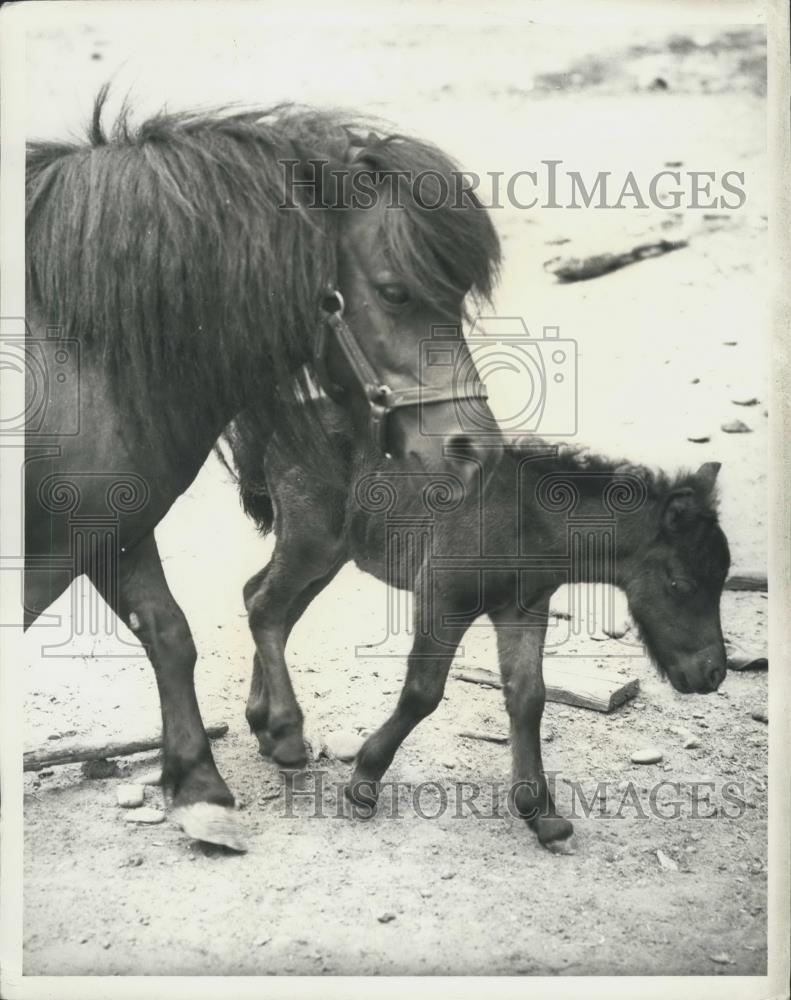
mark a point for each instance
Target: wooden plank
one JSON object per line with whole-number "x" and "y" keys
{"x": 75, "y": 751}
{"x": 577, "y": 686}
{"x": 748, "y": 580}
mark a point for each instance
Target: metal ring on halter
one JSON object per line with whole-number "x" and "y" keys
{"x": 335, "y": 293}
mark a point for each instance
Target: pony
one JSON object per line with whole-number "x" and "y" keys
{"x": 548, "y": 515}
{"x": 195, "y": 268}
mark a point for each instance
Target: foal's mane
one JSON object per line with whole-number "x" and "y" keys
{"x": 163, "y": 249}
{"x": 549, "y": 457}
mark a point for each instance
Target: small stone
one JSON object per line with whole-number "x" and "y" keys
{"x": 99, "y": 769}
{"x": 730, "y": 343}
{"x": 647, "y": 755}
{"x": 133, "y": 862}
{"x": 759, "y": 716}
{"x": 342, "y": 746}
{"x": 691, "y": 743}
{"x": 386, "y": 918}
{"x": 735, "y": 427}
{"x": 145, "y": 815}
{"x": 260, "y": 942}
{"x": 698, "y": 437}
{"x": 106, "y": 944}
{"x": 152, "y": 777}
{"x": 130, "y": 796}
{"x": 698, "y": 715}
{"x": 666, "y": 861}
{"x": 721, "y": 958}
{"x": 448, "y": 875}
{"x": 745, "y": 400}
{"x": 638, "y": 704}
{"x": 695, "y": 836}
{"x": 426, "y": 893}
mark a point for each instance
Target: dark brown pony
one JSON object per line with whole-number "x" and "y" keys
{"x": 546, "y": 517}
{"x": 185, "y": 270}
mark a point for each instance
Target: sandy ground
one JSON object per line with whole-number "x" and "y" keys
{"x": 468, "y": 893}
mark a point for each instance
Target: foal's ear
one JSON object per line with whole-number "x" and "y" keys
{"x": 707, "y": 475}
{"x": 679, "y": 509}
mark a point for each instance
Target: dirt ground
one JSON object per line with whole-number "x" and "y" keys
{"x": 464, "y": 892}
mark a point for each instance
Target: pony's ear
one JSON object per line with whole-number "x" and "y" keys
{"x": 707, "y": 475}
{"x": 359, "y": 152}
{"x": 679, "y": 508}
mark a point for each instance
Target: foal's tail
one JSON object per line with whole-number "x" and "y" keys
{"x": 246, "y": 468}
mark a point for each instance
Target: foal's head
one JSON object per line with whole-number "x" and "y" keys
{"x": 674, "y": 580}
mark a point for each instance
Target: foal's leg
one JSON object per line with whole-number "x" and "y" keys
{"x": 520, "y": 649}
{"x": 275, "y": 599}
{"x": 144, "y": 602}
{"x": 289, "y": 749}
{"x": 424, "y": 685}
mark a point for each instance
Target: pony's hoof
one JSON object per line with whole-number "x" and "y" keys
{"x": 290, "y": 752}
{"x": 211, "y": 824}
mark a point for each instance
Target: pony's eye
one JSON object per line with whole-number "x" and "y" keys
{"x": 393, "y": 294}
{"x": 682, "y": 587}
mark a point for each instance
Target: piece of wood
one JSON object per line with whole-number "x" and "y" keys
{"x": 580, "y": 687}
{"x": 74, "y": 751}
{"x": 568, "y": 269}
{"x": 747, "y": 580}
{"x": 478, "y": 734}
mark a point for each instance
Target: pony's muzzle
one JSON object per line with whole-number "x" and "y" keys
{"x": 701, "y": 673}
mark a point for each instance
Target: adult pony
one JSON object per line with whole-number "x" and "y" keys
{"x": 187, "y": 269}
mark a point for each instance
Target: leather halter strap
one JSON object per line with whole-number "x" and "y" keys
{"x": 381, "y": 399}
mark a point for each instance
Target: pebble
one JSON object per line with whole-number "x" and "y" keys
{"x": 342, "y": 746}
{"x": 735, "y": 427}
{"x": 648, "y": 755}
{"x": 698, "y": 715}
{"x": 152, "y": 777}
{"x": 745, "y": 400}
{"x": 691, "y": 743}
{"x": 386, "y": 918}
{"x": 145, "y": 815}
{"x": 698, "y": 437}
{"x": 759, "y": 716}
{"x": 638, "y": 704}
{"x": 134, "y": 862}
{"x": 721, "y": 958}
{"x": 666, "y": 861}
{"x": 448, "y": 875}
{"x": 426, "y": 893}
{"x": 130, "y": 796}
{"x": 260, "y": 942}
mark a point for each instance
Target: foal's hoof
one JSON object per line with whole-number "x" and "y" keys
{"x": 290, "y": 752}
{"x": 556, "y": 834}
{"x": 567, "y": 846}
{"x": 212, "y": 824}
{"x": 363, "y": 795}
{"x": 266, "y": 744}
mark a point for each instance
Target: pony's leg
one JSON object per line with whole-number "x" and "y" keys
{"x": 275, "y": 603}
{"x": 520, "y": 649}
{"x": 203, "y": 804}
{"x": 424, "y": 685}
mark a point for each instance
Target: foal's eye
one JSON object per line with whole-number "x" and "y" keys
{"x": 681, "y": 587}
{"x": 393, "y": 294}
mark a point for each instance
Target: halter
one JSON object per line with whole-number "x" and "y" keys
{"x": 381, "y": 399}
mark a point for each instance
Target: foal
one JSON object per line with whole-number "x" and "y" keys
{"x": 548, "y": 516}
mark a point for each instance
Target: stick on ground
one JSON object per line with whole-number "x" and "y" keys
{"x": 581, "y": 688}
{"x": 74, "y": 751}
